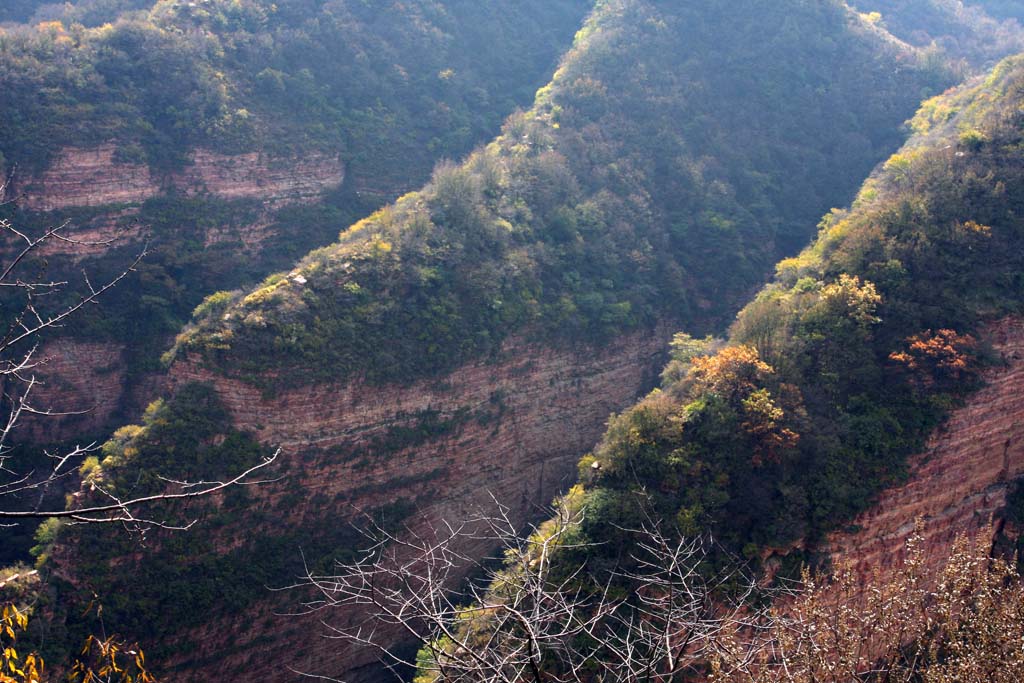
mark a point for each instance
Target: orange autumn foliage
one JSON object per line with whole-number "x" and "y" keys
{"x": 939, "y": 357}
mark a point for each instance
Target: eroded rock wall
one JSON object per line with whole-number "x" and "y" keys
{"x": 84, "y": 387}
{"x": 517, "y": 428}
{"x": 103, "y": 196}
{"x": 80, "y": 383}
{"x": 94, "y": 177}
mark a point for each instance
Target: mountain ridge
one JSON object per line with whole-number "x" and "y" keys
{"x": 591, "y": 180}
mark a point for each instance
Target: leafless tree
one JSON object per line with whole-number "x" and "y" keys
{"x": 680, "y": 612}
{"x": 664, "y": 616}
{"x": 950, "y": 621}
{"x": 533, "y": 619}
{"x": 31, "y": 305}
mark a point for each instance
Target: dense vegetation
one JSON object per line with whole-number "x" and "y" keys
{"x": 19, "y": 10}
{"x": 1003, "y": 9}
{"x": 841, "y": 367}
{"x": 85, "y": 12}
{"x": 963, "y": 31}
{"x": 835, "y": 372}
{"x": 382, "y": 83}
{"x": 655, "y": 163}
{"x": 676, "y": 154}
{"x": 390, "y": 87}
{"x": 678, "y": 151}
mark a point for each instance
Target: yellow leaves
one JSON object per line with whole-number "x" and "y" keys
{"x": 14, "y": 669}
{"x": 90, "y": 467}
{"x": 761, "y": 411}
{"x": 50, "y": 27}
{"x": 791, "y": 269}
{"x": 972, "y": 139}
{"x": 974, "y": 229}
{"x": 762, "y": 418}
{"x": 859, "y": 299}
{"x": 110, "y": 661}
{"x": 900, "y": 166}
{"x": 11, "y": 615}
{"x": 264, "y": 294}
{"x": 737, "y": 374}
{"x": 732, "y": 371}
{"x": 129, "y": 432}
{"x": 933, "y": 112}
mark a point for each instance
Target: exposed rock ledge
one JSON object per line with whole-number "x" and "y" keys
{"x": 91, "y": 177}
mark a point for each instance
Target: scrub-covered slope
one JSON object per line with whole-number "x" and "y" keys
{"x": 676, "y": 153}
{"x": 811, "y": 436}
{"x": 377, "y": 82}
{"x": 233, "y": 137}
{"x": 966, "y": 31}
{"x": 1003, "y": 9}
{"x": 473, "y": 337}
{"x": 844, "y": 366}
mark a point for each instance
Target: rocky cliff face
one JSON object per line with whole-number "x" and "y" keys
{"x": 93, "y": 177}
{"x": 91, "y": 377}
{"x": 81, "y": 383}
{"x": 84, "y": 385}
{"x": 524, "y": 421}
{"x": 960, "y": 483}
{"x": 512, "y": 428}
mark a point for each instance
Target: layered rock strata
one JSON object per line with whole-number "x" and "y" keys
{"x": 80, "y": 384}
{"x": 516, "y": 428}
{"x": 84, "y": 388}
{"x": 89, "y": 381}
{"x": 94, "y": 177}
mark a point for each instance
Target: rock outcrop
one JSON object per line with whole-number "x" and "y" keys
{"x": 80, "y": 382}
{"x": 959, "y": 485}
{"x": 84, "y": 386}
{"x": 94, "y": 177}
{"x": 512, "y": 428}
{"x": 90, "y": 377}
{"x": 525, "y": 420}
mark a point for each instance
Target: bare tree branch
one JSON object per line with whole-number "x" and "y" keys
{"x": 38, "y": 308}
{"x": 534, "y": 618}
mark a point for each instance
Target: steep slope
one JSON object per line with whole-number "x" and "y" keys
{"x": 638, "y": 174}
{"x": 19, "y": 10}
{"x": 858, "y": 356}
{"x": 233, "y": 137}
{"x": 1003, "y": 9}
{"x": 85, "y": 12}
{"x": 474, "y": 336}
{"x": 962, "y": 30}
{"x": 966, "y": 482}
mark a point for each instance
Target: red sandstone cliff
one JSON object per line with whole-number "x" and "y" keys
{"x": 85, "y": 387}
{"x": 960, "y": 483}
{"x": 89, "y": 379}
{"x": 533, "y": 412}
{"x": 92, "y": 177}
{"x": 544, "y": 407}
